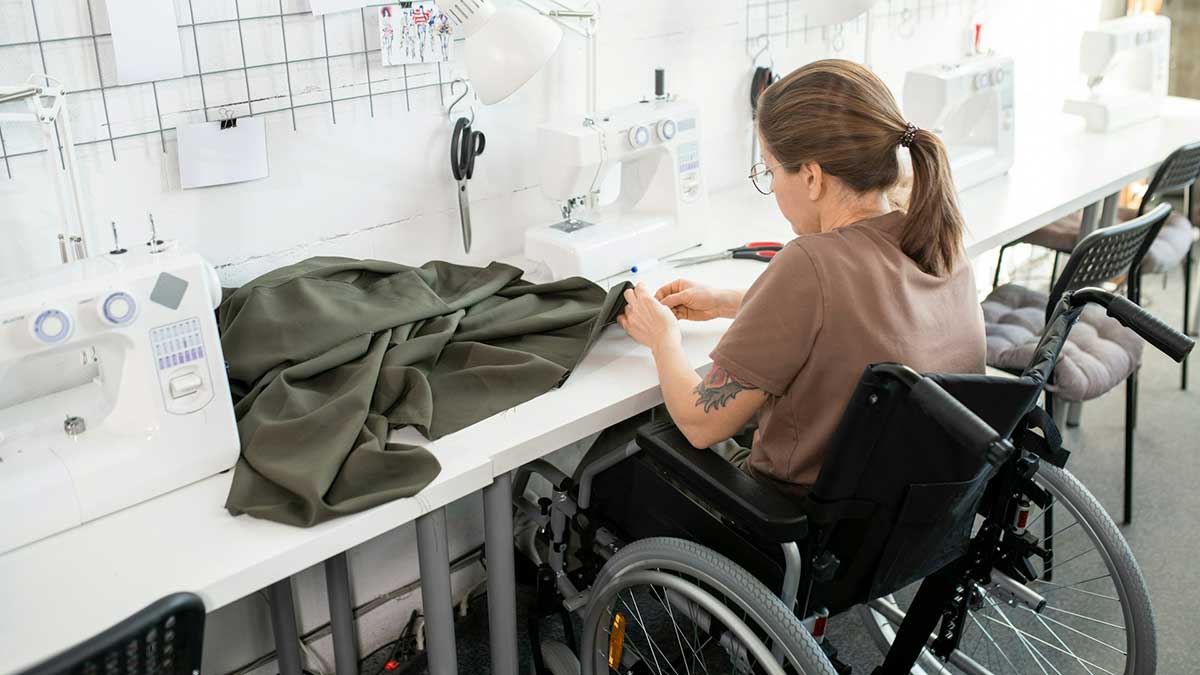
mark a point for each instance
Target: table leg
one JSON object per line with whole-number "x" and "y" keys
{"x": 434, "y": 557}
{"x": 341, "y": 614}
{"x": 1090, "y": 220}
{"x": 501, "y": 574}
{"x": 283, "y": 622}
{"x": 1108, "y": 212}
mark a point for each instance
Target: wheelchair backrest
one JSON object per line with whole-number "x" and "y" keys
{"x": 896, "y": 496}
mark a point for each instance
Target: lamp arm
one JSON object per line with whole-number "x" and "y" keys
{"x": 564, "y": 12}
{"x": 591, "y": 19}
{"x": 53, "y": 117}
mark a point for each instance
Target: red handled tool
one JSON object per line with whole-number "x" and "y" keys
{"x": 762, "y": 251}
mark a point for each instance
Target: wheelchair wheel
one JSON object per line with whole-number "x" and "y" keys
{"x": 1097, "y": 617}
{"x": 673, "y": 607}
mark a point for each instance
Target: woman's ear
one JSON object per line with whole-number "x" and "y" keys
{"x": 814, "y": 180}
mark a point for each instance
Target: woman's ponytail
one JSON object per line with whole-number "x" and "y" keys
{"x": 933, "y": 225}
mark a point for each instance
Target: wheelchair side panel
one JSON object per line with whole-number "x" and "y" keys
{"x": 638, "y": 499}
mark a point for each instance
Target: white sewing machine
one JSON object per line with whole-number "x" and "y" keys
{"x": 969, "y": 104}
{"x": 1127, "y": 62}
{"x": 112, "y": 389}
{"x": 636, "y": 173}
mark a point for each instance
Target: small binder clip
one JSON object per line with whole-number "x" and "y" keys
{"x": 229, "y": 121}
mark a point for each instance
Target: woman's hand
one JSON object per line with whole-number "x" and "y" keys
{"x": 691, "y": 301}
{"x": 648, "y": 321}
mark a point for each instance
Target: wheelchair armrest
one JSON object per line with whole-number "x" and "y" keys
{"x": 751, "y": 503}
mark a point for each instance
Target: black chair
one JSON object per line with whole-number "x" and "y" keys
{"x": 1172, "y": 246}
{"x": 1094, "y": 361}
{"x": 165, "y": 638}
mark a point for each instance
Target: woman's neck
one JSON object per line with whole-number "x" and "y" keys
{"x": 855, "y": 209}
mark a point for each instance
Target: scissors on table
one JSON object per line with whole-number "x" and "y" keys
{"x": 465, "y": 145}
{"x": 762, "y": 251}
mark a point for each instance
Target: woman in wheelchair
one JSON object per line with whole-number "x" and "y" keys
{"x": 862, "y": 283}
{"x": 933, "y": 505}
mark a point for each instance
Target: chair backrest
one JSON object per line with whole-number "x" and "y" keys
{"x": 896, "y": 496}
{"x": 1109, "y": 253}
{"x": 1178, "y": 172}
{"x": 165, "y": 638}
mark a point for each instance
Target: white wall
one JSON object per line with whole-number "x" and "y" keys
{"x": 380, "y": 187}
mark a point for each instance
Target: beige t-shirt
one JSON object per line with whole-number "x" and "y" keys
{"x": 825, "y": 308}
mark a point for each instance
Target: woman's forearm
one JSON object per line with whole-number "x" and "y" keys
{"x": 679, "y": 383}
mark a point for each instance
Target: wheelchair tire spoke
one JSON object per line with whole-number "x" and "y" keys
{"x": 1060, "y": 641}
{"x": 1063, "y": 563}
{"x": 1074, "y": 523}
{"x": 1076, "y": 631}
{"x": 1074, "y": 587}
{"x": 995, "y": 644}
{"x": 649, "y": 638}
{"x": 1033, "y": 651}
{"x": 666, "y": 602}
{"x": 1035, "y": 638}
{"x": 996, "y": 604}
{"x": 1085, "y": 617}
{"x": 1039, "y": 516}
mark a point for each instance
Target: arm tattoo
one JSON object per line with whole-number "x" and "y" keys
{"x": 718, "y": 388}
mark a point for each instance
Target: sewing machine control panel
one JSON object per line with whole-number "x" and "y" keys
{"x": 689, "y": 171}
{"x": 182, "y": 364}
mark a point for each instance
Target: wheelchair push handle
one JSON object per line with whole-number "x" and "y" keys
{"x": 1151, "y": 329}
{"x": 960, "y": 422}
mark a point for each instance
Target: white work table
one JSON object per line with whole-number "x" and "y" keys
{"x": 63, "y": 589}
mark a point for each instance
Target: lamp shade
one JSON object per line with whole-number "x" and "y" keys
{"x": 504, "y": 47}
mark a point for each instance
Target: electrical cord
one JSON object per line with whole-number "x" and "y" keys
{"x": 396, "y": 647}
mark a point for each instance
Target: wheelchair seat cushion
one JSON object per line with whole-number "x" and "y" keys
{"x": 1166, "y": 252}
{"x": 750, "y": 502}
{"x": 1100, "y": 353}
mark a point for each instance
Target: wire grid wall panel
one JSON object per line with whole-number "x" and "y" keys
{"x": 240, "y": 57}
{"x": 785, "y": 20}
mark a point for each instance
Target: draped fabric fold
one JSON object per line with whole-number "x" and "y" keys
{"x": 326, "y": 356}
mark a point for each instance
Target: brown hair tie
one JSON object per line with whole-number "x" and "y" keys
{"x": 910, "y": 132}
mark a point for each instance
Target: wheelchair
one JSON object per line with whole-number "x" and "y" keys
{"x": 930, "y": 518}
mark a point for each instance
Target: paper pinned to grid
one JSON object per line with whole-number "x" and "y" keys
{"x": 210, "y": 155}
{"x": 414, "y": 32}
{"x": 145, "y": 35}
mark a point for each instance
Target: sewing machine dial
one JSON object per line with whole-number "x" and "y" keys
{"x": 639, "y": 136}
{"x": 666, "y": 130}
{"x": 118, "y": 309}
{"x": 991, "y": 78}
{"x": 52, "y": 326}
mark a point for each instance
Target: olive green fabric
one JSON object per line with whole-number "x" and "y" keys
{"x": 325, "y": 356}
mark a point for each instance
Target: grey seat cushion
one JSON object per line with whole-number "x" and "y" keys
{"x": 1168, "y": 250}
{"x": 1100, "y": 353}
{"x": 1060, "y": 235}
{"x": 1170, "y": 246}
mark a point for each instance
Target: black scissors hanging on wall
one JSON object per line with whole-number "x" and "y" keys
{"x": 465, "y": 145}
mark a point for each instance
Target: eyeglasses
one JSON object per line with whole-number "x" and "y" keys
{"x": 763, "y": 177}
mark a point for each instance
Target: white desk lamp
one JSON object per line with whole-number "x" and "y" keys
{"x": 505, "y": 47}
